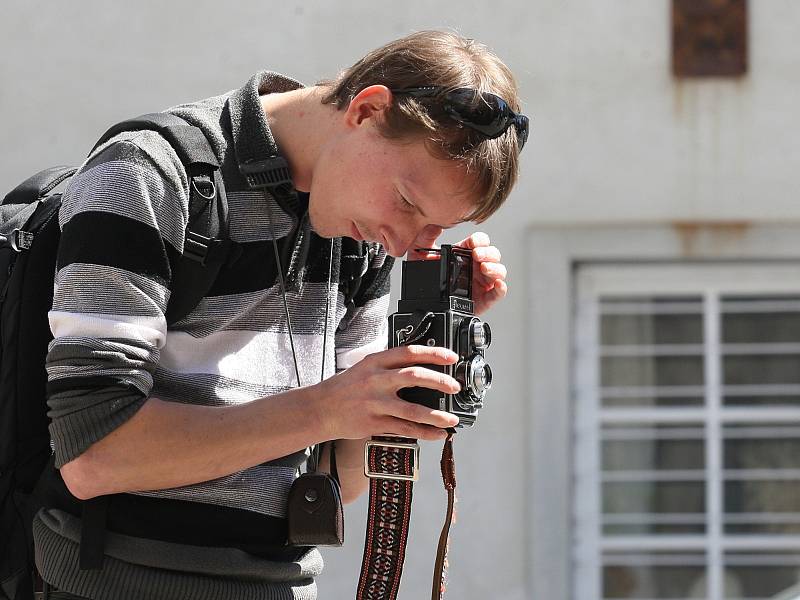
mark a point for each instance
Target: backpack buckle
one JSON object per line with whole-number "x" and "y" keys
{"x": 204, "y": 187}
{"x": 20, "y": 240}
{"x": 200, "y": 248}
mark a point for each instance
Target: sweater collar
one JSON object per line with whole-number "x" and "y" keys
{"x": 252, "y": 138}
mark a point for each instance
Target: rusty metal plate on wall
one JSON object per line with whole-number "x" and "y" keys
{"x": 709, "y": 38}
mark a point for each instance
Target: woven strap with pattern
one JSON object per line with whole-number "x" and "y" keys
{"x": 392, "y": 464}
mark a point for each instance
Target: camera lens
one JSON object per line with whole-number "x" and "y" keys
{"x": 480, "y": 334}
{"x": 475, "y": 378}
{"x": 481, "y": 376}
{"x": 482, "y": 379}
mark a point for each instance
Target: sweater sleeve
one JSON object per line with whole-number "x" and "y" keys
{"x": 363, "y": 330}
{"x": 122, "y": 219}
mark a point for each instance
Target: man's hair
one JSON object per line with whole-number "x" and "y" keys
{"x": 448, "y": 60}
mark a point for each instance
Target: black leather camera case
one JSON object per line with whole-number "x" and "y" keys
{"x": 315, "y": 511}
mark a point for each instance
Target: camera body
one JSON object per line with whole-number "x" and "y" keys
{"x": 436, "y": 309}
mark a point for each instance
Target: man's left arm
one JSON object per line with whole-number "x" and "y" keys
{"x": 488, "y": 287}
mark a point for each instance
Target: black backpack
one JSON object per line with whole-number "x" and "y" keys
{"x": 29, "y": 236}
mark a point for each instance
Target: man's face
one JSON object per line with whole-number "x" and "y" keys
{"x": 370, "y": 188}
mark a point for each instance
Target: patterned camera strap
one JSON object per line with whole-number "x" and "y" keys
{"x": 389, "y": 515}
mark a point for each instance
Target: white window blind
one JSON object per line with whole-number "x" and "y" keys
{"x": 687, "y": 432}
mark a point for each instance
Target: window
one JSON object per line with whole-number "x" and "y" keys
{"x": 687, "y": 432}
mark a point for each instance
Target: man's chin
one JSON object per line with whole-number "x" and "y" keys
{"x": 319, "y": 228}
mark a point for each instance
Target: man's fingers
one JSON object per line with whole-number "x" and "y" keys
{"x": 427, "y": 378}
{"x": 408, "y": 411}
{"x": 492, "y": 271}
{"x": 404, "y": 356}
{"x": 476, "y": 240}
{"x": 500, "y": 289}
{"x": 400, "y": 427}
{"x": 491, "y": 296}
{"x": 487, "y": 254}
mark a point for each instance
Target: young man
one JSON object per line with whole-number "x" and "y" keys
{"x": 201, "y": 427}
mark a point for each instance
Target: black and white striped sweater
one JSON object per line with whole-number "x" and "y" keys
{"x": 123, "y": 220}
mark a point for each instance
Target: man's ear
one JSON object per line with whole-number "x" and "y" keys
{"x": 369, "y": 103}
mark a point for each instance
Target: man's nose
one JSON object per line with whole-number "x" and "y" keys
{"x": 409, "y": 237}
{"x": 398, "y": 239}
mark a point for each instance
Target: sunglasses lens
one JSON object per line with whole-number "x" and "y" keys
{"x": 485, "y": 112}
{"x": 521, "y": 124}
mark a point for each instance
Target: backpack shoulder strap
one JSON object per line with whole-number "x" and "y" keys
{"x": 207, "y": 246}
{"x": 38, "y": 185}
{"x": 188, "y": 141}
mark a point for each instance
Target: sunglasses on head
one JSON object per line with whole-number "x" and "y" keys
{"x": 484, "y": 112}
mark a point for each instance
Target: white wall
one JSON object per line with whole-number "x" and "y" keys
{"x": 614, "y": 140}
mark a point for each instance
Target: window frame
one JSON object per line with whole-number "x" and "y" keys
{"x": 710, "y": 282}
{"x": 552, "y": 256}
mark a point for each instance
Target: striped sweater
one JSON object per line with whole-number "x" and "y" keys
{"x": 123, "y": 220}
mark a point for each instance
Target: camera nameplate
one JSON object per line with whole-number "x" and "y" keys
{"x": 461, "y": 304}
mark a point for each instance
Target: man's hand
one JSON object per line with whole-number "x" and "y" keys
{"x": 488, "y": 273}
{"x": 363, "y": 401}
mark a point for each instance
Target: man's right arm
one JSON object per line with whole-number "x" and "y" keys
{"x": 168, "y": 444}
{"x": 123, "y": 218}
{"x": 171, "y": 444}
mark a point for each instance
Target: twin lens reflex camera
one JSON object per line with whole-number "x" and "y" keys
{"x": 436, "y": 309}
